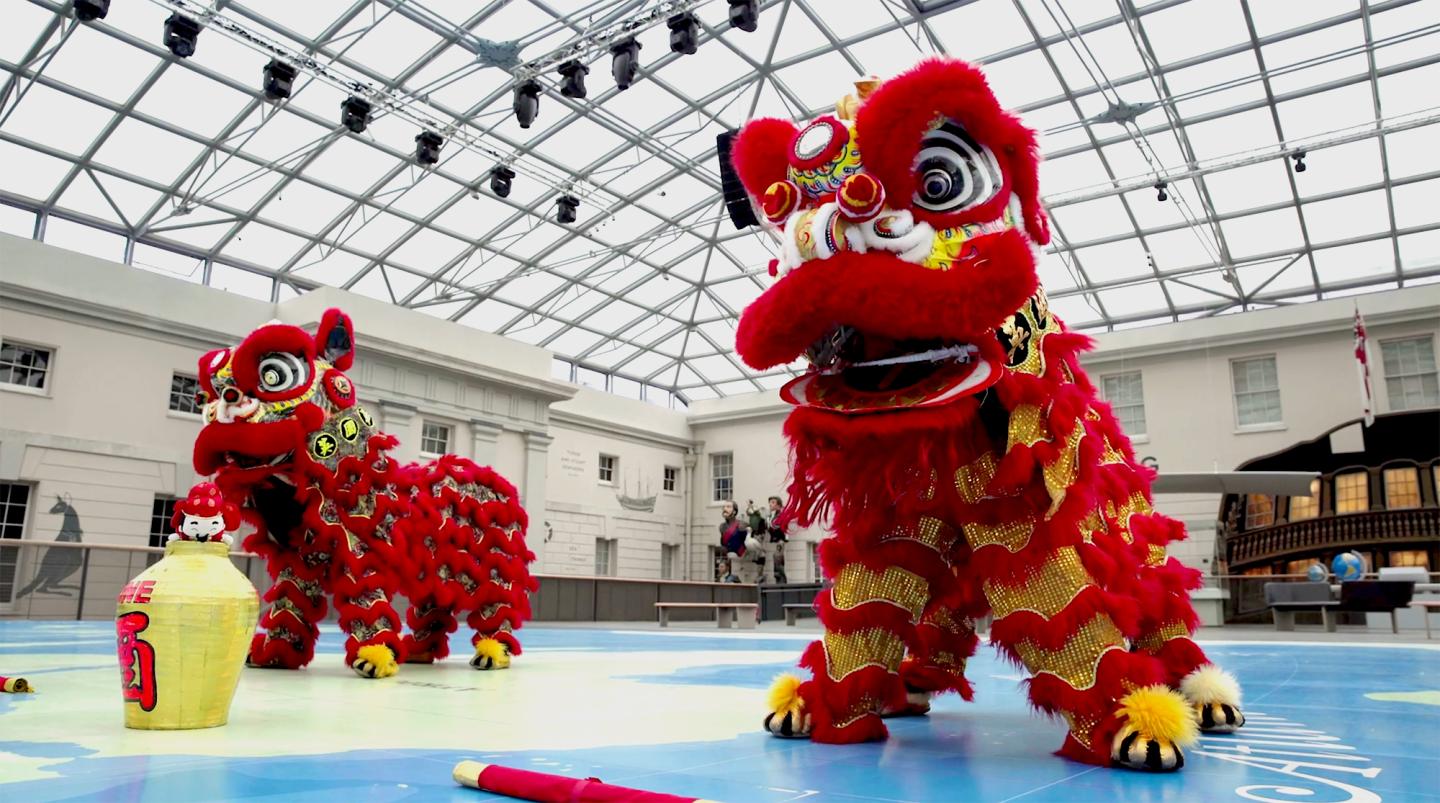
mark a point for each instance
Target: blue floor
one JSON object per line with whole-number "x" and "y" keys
{"x": 1329, "y": 723}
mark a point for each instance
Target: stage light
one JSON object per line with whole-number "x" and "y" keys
{"x": 625, "y": 63}
{"x": 744, "y": 14}
{"x": 355, "y": 113}
{"x": 527, "y": 102}
{"x": 88, "y": 10}
{"x": 1299, "y": 161}
{"x": 684, "y": 33}
{"x": 500, "y": 179}
{"x": 180, "y": 35}
{"x": 565, "y": 207}
{"x": 1160, "y": 192}
{"x": 279, "y": 79}
{"x": 574, "y": 84}
{"x": 427, "y": 147}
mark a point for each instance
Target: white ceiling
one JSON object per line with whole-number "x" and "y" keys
{"x": 113, "y": 147}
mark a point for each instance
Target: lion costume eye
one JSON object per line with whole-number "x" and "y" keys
{"x": 954, "y": 171}
{"x": 281, "y": 372}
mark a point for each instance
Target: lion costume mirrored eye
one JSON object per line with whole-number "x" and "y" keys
{"x": 953, "y": 171}
{"x": 281, "y": 372}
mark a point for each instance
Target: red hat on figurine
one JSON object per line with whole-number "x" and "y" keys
{"x": 205, "y": 502}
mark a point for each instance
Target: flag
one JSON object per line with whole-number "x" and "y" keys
{"x": 1362, "y": 363}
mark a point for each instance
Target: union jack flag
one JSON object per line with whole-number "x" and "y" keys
{"x": 1362, "y": 362}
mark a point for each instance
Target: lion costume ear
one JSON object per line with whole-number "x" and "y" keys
{"x": 759, "y": 153}
{"x": 335, "y": 340}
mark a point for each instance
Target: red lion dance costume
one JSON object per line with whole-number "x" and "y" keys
{"x": 946, "y": 430}
{"x": 336, "y": 516}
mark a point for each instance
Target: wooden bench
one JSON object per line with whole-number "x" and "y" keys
{"x": 725, "y": 612}
{"x": 1426, "y": 606}
{"x": 794, "y": 609}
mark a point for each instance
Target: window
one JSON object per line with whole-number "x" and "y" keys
{"x": 162, "y": 511}
{"x": 671, "y": 478}
{"x": 1410, "y": 557}
{"x": 1127, "y": 397}
{"x": 818, "y": 573}
{"x": 183, "y": 393}
{"x": 607, "y": 468}
{"x": 1257, "y": 391}
{"x": 1259, "y": 511}
{"x": 606, "y": 550}
{"x": 1411, "y": 380}
{"x": 1352, "y": 492}
{"x": 25, "y": 366}
{"x": 434, "y": 438}
{"x": 14, "y": 498}
{"x": 1306, "y": 507}
{"x": 722, "y": 477}
{"x": 669, "y": 561}
{"x": 1402, "y": 487}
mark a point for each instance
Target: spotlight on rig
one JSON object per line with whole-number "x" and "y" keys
{"x": 527, "y": 102}
{"x": 427, "y": 147}
{"x": 88, "y": 10}
{"x": 745, "y": 15}
{"x": 684, "y": 33}
{"x": 625, "y": 62}
{"x": 180, "y": 35}
{"x": 279, "y": 79}
{"x": 573, "y": 85}
{"x": 355, "y": 113}
{"x": 565, "y": 207}
{"x": 1299, "y": 161}
{"x": 1160, "y": 194}
{"x": 500, "y": 178}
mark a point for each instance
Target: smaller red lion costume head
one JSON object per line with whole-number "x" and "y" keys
{"x": 909, "y": 239}
{"x": 280, "y": 400}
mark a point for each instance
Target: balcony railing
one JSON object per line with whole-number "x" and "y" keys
{"x": 1333, "y": 532}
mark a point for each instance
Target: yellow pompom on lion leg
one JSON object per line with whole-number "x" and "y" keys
{"x": 491, "y": 654}
{"x": 787, "y": 718}
{"x": 375, "y": 661}
{"x": 1157, "y": 725}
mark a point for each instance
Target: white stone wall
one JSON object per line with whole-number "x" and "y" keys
{"x": 102, "y": 434}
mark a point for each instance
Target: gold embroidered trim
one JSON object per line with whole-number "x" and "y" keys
{"x": 1013, "y": 535}
{"x": 848, "y": 652}
{"x": 971, "y": 480}
{"x": 1077, "y": 662}
{"x": 857, "y": 585}
{"x": 1152, "y": 642}
{"x": 928, "y": 531}
{"x": 1046, "y": 590}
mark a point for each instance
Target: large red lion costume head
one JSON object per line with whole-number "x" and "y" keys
{"x": 909, "y": 240}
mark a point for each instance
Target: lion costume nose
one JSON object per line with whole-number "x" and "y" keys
{"x": 232, "y": 405}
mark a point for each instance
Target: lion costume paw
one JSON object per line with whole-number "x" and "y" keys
{"x": 375, "y": 661}
{"x": 490, "y": 654}
{"x": 1215, "y": 695}
{"x": 1158, "y": 723}
{"x": 787, "y": 718}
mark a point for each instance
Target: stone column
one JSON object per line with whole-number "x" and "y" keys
{"x": 484, "y": 439}
{"x": 532, "y": 489}
{"x": 687, "y": 479}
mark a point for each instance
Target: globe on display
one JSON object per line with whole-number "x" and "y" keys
{"x": 1348, "y": 566}
{"x": 1317, "y": 573}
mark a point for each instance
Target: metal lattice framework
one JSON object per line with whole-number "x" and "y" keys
{"x": 113, "y": 146}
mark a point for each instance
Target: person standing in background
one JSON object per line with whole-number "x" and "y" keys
{"x": 777, "y": 539}
{"x": 733, "y": 537}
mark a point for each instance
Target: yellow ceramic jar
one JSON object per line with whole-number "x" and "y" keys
{"x": 182, "y": 630}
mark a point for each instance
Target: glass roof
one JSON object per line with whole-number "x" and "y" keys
{"x": 181, "y": 166}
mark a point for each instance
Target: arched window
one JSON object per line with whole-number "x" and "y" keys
{"x": 1259, "y": 511}
{"x": 1402, "y": 487}
{"x": 1352, "y": 492}
{"x": 1306, "y": 507}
